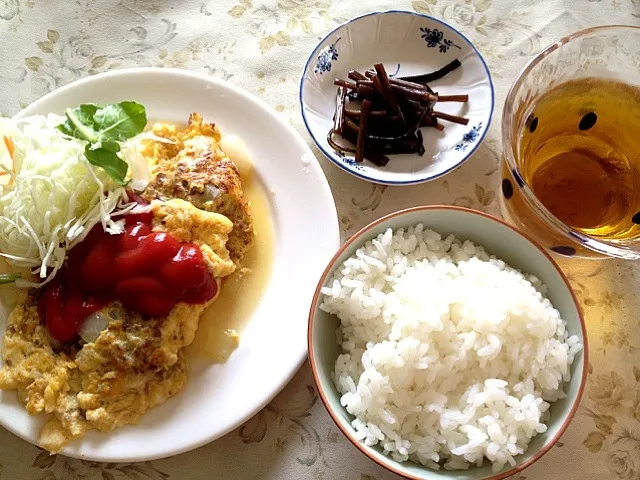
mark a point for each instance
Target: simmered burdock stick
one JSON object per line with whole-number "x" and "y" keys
{"x": 355, "y": 75}
{"x": 381, "y": 83}
{"x": 405, "y": 90}
{"x": 414, "y": 94}
{"x": 403, "y": 83}
{"x": 362, "y": 130}
{"x": 453, "y": 98}
{"x": 365, "y": 91}
{"x": 355, "y": 113}
{"x": 451, "y": 118}
{"x": 345, "y": 84}
{"x": 400, "y": 84}
{"x": 382, "y": 116}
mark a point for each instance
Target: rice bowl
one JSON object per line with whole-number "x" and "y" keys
{"x": 447, "y": 357}
{"x": 448, "y": 354}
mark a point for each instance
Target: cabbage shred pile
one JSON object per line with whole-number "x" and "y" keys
{"x": 53, "y": 196}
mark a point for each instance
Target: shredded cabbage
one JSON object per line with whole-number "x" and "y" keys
{"x": 53, "y": 196}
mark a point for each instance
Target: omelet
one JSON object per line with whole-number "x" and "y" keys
{"x": 135, "y": 363}
{"x": 194, "y": 168}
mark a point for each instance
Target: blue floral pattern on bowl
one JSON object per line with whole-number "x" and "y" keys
{"x": 435, "y": 38}
{"x": 350, "y": 161}
{"x": 327, "y": 55}
{"x": 469, "y": 138}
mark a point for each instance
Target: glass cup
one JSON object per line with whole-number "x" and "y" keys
{"x": 608, "y": 52}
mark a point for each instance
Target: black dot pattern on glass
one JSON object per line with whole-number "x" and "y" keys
{"x": 563, "y": 250}
{"x": 518, "y": 177}
{"x": 588, "y": 121}
{"x": 636, "y": 218}
{"x": 529, "y": 120}
{"x": 507, "y": 188}
{"x": 533, "y": 125}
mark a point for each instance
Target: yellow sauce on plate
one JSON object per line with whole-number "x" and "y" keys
{"x": 217, "y": 335}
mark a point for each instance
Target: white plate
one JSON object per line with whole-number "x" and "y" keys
{"x": 406, "y": 43}
{"x": 218, "y": 398}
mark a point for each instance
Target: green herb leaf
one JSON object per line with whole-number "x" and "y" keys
{"x": 120, "y": 121}
{"x": 80, "y": 122}
{"x": 107, "y": 159}
{"x": 103, "y": 126}
{"x": 113, "y": 147}
{"x": 9, "y": 278}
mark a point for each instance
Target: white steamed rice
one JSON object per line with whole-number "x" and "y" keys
{"x": 449, "y": 356}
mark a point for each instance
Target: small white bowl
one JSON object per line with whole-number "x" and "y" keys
{"x": 406, "y": 43}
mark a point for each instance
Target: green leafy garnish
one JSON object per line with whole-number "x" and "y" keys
{"x": 9, "y": 277}
{"x": 106, "y": 157}
{"x": 79, "y": 122}
{"x": 103, "y": 126}
{"x": 120, "y": 121}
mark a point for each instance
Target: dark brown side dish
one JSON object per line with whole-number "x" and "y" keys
{"x": 380, "y": 115}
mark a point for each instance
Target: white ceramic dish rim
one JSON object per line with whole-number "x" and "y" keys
{"x": 298, "y": 352}
{"x": 354, "y": 172}
{"x": 359, "y": 238}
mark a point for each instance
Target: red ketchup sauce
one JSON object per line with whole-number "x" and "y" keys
{"x": 148, "y": 272}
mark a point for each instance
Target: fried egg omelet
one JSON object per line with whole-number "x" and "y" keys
{"x": 136, "y": 363}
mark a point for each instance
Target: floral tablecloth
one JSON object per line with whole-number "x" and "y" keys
{"x": 262, "y": 45}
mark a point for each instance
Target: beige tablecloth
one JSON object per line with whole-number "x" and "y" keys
{"x": 261, "y": 46}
